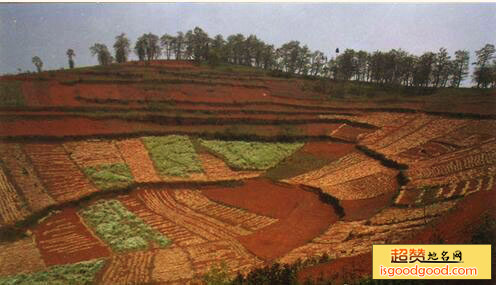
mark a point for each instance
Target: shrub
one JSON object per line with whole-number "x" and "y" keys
{"x": 217, "y": 275}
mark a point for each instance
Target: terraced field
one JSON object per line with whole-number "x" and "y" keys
{"x": 114, "y": 183}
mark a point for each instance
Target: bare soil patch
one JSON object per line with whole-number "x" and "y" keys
{"x": 301, "y": 214}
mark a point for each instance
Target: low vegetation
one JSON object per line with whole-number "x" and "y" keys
{"x": 120, "y": 228}
{"x": 110, "y": 176}
{"x": 11, "y": 94}
{"x": 251, "y": 155}
{"x": 78, "y": 273}
{"x": 298, "y": 163}
{"x": 173, "y": 155}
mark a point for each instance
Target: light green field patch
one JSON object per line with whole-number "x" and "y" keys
{"x": 173, "y": 155}
{"x": 79, "y": 273}
{"x": 251, "y": 155}
{"x": 11, "y": 94}
{"x": 110, "y": 176}
{"x": 119, "y": 228}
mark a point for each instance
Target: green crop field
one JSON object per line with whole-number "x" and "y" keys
{"x": 110, "y": 176}
{"x": 79, "y": 273}
{"x": 120, "y": 228}
{"x": 173, "y": 155}
{"x": 251, "y": 155}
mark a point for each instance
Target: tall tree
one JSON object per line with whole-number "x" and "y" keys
{"x": 178, "y": 45}
{"x": 460, "y": 67}
{"x": 200, "y": 44}
{"x": 36, "y": 60}
{"x": 102, "y": 53}
{"x": 361, "y": 65}
{"x": 70, "y": 54}
{"x": 217, "y": 52}
{"x": 317, "y": 62}
{"x": 441, "y": 62}
{"x": 147, "y": 47}
{"x": 346, "y": 64}
{"x": 423, "y": 69}
{"x": 167, "y": 42}
{"x": 235, "y": 46}
{"x": 122, "y": 48}
{"x": 482, "y": 74}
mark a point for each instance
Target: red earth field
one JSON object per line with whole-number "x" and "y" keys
{"x": 365, "y": 171}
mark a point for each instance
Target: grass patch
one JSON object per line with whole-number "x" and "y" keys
{"x": 119, "y": 228}
{"x": 298, "y": 163}
{"x": 11, "y": 94}
{"x": 110, "y": 176}
{"x": 251, "y": 155}
{"x": 173, "y": 155}
{"x": 78, "y": 273}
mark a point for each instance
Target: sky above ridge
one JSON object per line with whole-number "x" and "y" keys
{"x": 48, "y": 30}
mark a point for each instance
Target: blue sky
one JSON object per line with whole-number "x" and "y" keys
{"x": 48, "y": 30}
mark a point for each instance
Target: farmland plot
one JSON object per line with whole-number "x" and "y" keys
{"x": 455, "y": 166}
{"x": 12, "y": 207}
{"x": 25, "y": 177}
{"x": 130, "y": 268}
{"x": 353, "y": 176}
{"x": 251, "y": 155}
{"x": 419, "y": 196}
{"x": 178, "y": 234}
{"x": 110, "y": 176}
{"x": 136, "y": 157}
{"x": 216, "y": 169}
{"x": 365, "y": 187}
{"x": 173, "y": 155}
{"x": 93, "y": 153}
{"x": 235, "y": 256}
{"x": 163, "y": 203}
{"x": 172, "y": 265}
{"x": 435, "y": 128}
{"x": 197, "y": 201}
{"x": 63, "y": 238}
{"x": 79, "y": 273}
{"x": 62, "y": 178}
{"x": 19, "y": 256}
{"x": 121, "y": 229}
{"x": 392, "y": 225}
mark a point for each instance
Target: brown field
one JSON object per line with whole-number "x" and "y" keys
{"x": 370, "y": 171}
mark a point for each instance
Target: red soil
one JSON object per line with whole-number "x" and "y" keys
{"x": 62, "y": 178}
{"x": 80, "y": 126}
{"x": 350, "y": 133}
{"x": 456, "y": 227}
{"x": 459, "y": 225}
{"x": 328, "y": 150}
{"x": 49, "y": 93}
{"x": 355, "y": 210}
{"x": 340, "y": 270}
{"x": 72, "y": 126}
{"x": 63, "y": 239}
{"x": 302, "y": 216}
{"x": 136, "y": 156}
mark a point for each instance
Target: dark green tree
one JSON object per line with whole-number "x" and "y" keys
{"x": 70, "y": 54}
{"x": 122, "y": 48}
